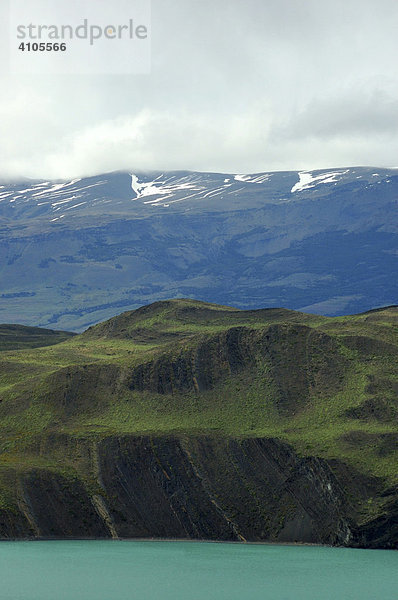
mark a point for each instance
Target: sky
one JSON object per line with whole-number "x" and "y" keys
{"x": 235, "y": 86}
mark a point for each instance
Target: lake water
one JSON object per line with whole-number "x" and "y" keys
{"x": 113, "y": 570}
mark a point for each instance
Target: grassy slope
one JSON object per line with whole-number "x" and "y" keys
{"x": 20, "y": 337}
{"x": 355, "y": 421}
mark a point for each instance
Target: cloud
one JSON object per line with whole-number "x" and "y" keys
{"x": 353, "y": 114}
{"x": 234, "y": 86}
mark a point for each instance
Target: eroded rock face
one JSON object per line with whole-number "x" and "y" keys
{"x": 59, "y": 507}
{"x": 381, "y": 532}
{"x": 14, "y": 525}
{"x": 200, "y": 488}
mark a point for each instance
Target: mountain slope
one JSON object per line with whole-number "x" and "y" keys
{"x": 18, "y": 337}
{"x": 187, "y": 419}
{"x": 74, "y": 253}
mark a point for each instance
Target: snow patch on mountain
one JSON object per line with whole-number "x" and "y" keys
{"x": 307, "y": 179}
{"x": 164, "y": 188}
{"x": 175, "y": 187}
{"x": 257, "y": 178}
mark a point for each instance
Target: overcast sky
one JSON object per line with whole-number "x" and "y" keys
{"x": 235, "y": 86}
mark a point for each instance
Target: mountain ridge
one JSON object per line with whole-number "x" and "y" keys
{"x": 329, "y": 247}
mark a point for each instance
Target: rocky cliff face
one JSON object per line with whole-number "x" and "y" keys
{"x": 200, "y": 488}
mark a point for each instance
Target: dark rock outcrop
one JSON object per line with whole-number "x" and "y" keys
{"x": 253, "y": 489}
{"x": 382, "y": 531}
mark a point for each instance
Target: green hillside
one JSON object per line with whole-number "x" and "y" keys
{"x": 328, "y": 387}
{"x": 20, "y": 337}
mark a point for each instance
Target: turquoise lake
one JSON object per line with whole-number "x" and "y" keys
{"x": 126, "y": 570}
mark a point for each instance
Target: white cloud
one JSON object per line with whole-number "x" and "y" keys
{"x": 234, "y": 87}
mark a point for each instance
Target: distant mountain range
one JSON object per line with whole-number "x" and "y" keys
{"x": 74, "y": 253}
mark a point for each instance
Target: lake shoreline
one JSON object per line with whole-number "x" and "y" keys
{"x": 192, "y": 541}
{"x": 189, "y": 540}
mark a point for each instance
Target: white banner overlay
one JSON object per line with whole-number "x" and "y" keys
{"x": 79, "y": 36}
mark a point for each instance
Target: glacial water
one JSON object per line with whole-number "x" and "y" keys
{"x": 125, "y": 570}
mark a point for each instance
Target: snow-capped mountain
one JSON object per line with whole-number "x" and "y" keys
{"x": 118, "y": 191}
{"x": 75, "y": 252}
